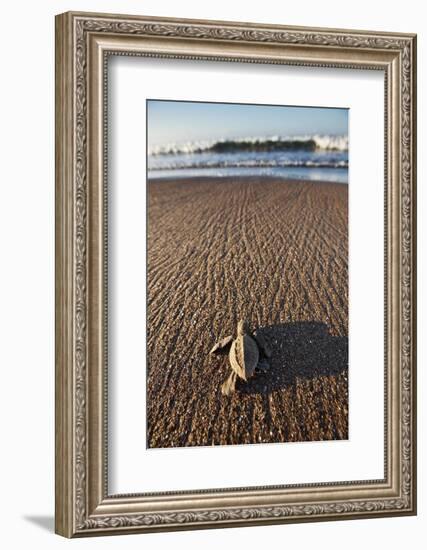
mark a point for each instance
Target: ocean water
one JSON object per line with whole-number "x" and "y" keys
{"x": 313, "y": 158}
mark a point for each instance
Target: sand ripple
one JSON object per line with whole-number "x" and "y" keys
{"x": 274, "y": 253}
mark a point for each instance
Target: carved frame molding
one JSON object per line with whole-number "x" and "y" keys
{"x": 83, "y": 42}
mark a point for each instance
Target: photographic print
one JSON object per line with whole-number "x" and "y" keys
{"x": 247, "y": 274}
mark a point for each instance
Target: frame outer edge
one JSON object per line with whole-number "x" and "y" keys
{"x": 414, "y": 271}
{"x": 249, "y": 25}
{"x": 72, "y": 399}
{"x": 64, "y": 237}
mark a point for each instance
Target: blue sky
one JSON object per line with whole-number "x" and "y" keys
{"x": 180, "y": 121}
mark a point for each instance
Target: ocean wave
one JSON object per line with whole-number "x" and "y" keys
{"x": 254, "y": 144}
{"x": 250, "y": 163}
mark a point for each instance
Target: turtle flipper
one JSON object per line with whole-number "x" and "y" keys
{"x": 262, "y": 343}
{"x": 222, "y": 344}
{"x": 230, "y": 384}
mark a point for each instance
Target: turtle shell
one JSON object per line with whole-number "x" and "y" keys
{"x": 244, "y": 355}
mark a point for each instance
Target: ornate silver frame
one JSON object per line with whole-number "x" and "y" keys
{"x": 83, "y": 42}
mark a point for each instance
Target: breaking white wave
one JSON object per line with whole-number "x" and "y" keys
{"x": 321, "y": 142}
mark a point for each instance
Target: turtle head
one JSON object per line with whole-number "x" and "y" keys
{"x": 242, "y": 328}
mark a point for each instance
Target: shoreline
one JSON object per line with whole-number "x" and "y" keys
{"x": 251, "y": 178}
{"x": 151, "y": 177}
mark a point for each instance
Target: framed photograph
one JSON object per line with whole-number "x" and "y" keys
{"x": 235, "y": 274}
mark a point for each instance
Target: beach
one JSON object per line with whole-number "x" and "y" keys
{"x": 275, "y": 253}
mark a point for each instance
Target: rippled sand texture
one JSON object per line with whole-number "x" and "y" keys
{"x": 273, "y": 252}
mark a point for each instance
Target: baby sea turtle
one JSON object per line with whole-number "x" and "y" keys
{"x": 247, "y": 355}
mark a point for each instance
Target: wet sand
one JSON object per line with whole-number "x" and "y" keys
{"x": 270, "y": 251}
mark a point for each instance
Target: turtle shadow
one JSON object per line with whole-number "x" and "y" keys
{"x": 303, "y": 350}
